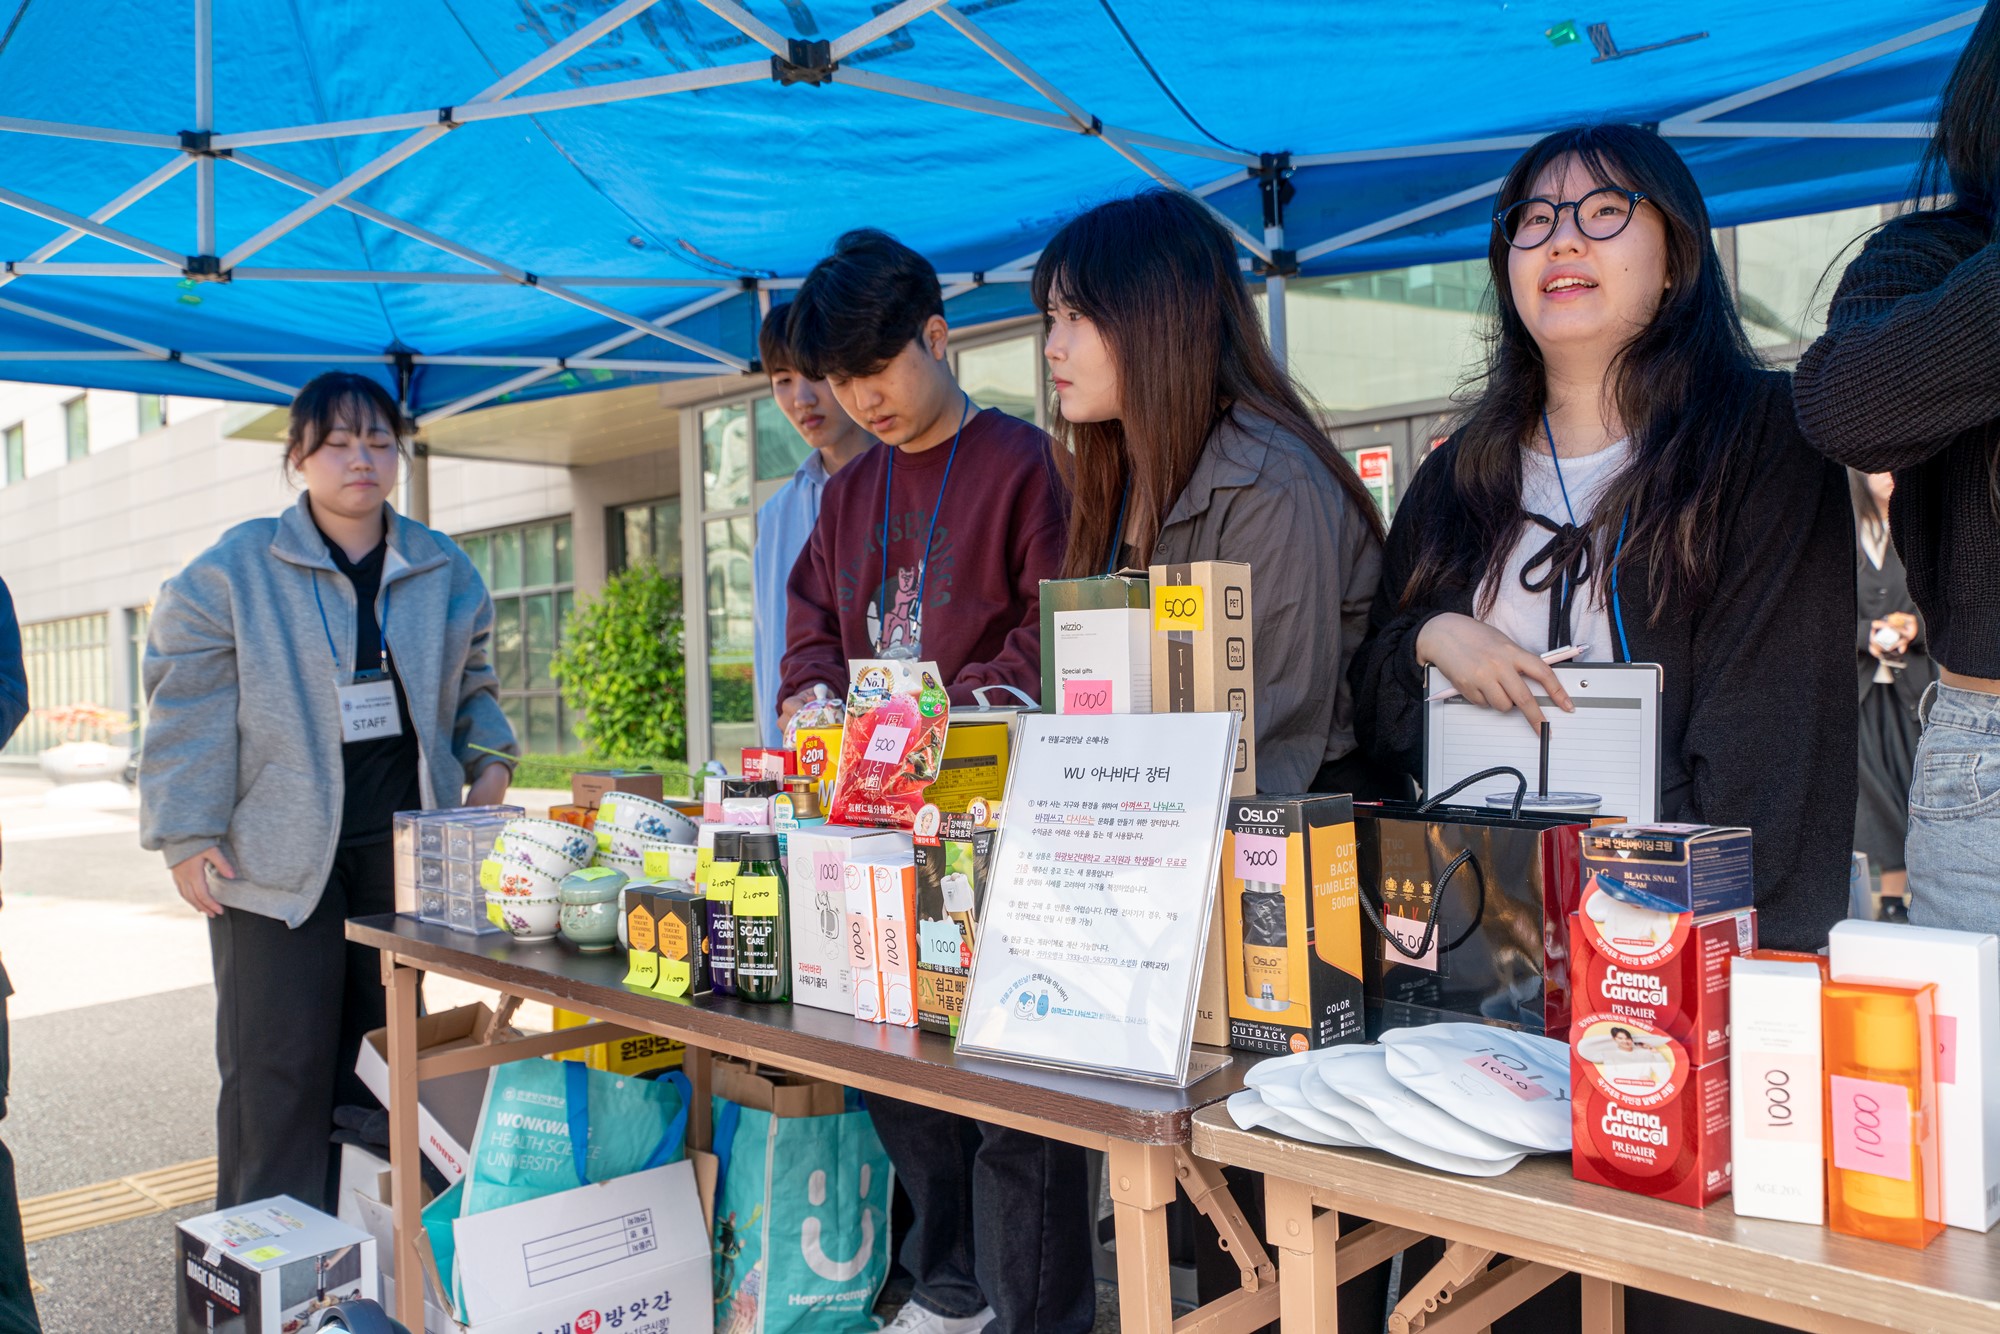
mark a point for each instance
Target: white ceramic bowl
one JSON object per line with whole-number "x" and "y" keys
{"x": 573, "y": 843}
{"x": 625, "y": 843}
{"x": 516, "y": 850}
{"x": 642, "y": 815}
{"x": 682, "y": 859}
{"x": 633, "y": 867}
{"x": 519, "y": 881}
{"x": 530, "y": 919}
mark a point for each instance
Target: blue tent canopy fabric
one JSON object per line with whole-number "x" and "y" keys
{"x": 489, "y": 200}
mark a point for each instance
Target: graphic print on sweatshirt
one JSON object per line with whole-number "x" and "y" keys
{"x": 893, "y": 616}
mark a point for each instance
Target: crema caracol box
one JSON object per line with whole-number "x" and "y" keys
{"x": 1694, "y": 868}
{"x": 1667, "y": 969}
{"x": 1646, "y": 1118}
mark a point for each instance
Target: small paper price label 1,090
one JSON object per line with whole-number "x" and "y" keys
{"x": 1177, "y": 608}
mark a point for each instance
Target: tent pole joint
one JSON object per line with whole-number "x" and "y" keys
{"x": 448, "y": 118}
{"x": 201, "y": 143}
{"x": 1274, "y": 175}
{"x": 1282, "y": 264}
{"x": 806, "y": 62}
{"x": 205, "y": 269}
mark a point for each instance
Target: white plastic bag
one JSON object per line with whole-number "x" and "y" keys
{"x": 1511, "y": 1085}
{"x": 1250, "y": 1112}
{"x": 1278, "y": 1082}
{"x": 1354, "y": 1081}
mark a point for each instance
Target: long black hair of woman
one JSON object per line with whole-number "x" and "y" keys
{"x": 1681, "y": 387}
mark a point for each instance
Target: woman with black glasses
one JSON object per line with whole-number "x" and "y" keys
{"x": 1629, "y": 479}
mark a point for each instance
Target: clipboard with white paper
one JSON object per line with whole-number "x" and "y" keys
{"x": 1609, "y": 746}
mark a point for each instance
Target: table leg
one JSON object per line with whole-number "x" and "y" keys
{"x": 405, "y": 1151}
{"x": 1142, "y": 1186}
{"x": 1603, "y": 1306}
{"x": 1308, "y": 1261}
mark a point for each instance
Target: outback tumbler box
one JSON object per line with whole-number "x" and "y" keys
{"x": 268, "y": 1267}
{"x": 952, "y": 869}
{"x": 1097, "y": 645}
{"x": 1291, "y": 918}
{"x": 1202, "y": 661}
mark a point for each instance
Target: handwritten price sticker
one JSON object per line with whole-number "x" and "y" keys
{"x": 757, "y": 896}
{"x": 1085, "y": 695}
{"x": 675, "y": 975}
{"x": 645, "y": 970}
{"x": 885, "y": 745}
{"x": 1178, "y": 609}
{"x": 489, "y": 875}
{"x": 1871, "y": 1127}
{"x": 1260, "y": 857}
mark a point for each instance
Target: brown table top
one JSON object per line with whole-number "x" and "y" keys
{"x": 901, "y": 1062}
{"x": 1540, "y": 1212}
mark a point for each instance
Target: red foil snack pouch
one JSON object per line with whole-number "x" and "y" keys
{"x": 892, "y": 742}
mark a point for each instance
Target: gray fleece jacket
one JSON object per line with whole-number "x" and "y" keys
{"x": 243, "y": 748}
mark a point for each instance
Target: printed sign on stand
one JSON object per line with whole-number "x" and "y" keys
{"x": 1103, "y": 880}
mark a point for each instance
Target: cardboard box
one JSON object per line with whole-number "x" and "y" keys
{"x": 953, "y": 866}
{"x": 759, "y": 762}
{"x": 641, "y": 1054}
{"x": 1097, "y": 645}
{"x": 587, "y": 788}
{"x": 1966, "y": 968}
{"x": 1694, "y": 868}
{"x": 583, "y": 817}
{"x": 822, "y": 958}
{"x": 859, "y": 890}
{"x": 1647, "y": 1120}
{"x": 1202, "y": 653}
{"x": 895, "y": 929}
{"x": 636, "y": 1244}
{"x": 267, "y": 1267}
{"x": 1670, "y": 970}
{"x": 974, "y": 768}
{"x": 1291, "y": 921}
{"x": 1777, "y": 1125}
{"x": 447, "y": 1108}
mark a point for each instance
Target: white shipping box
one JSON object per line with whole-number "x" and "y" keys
{"x": 630, "y": 1254}
{"x": 447, "y": 1108}
{"x": 816, "y": 861}
{"x": 1104, "y": 661}
{"x": 1776, "y": 1127}
{"x": 1966, "y": 967}
{"x": 267, "y": 1267}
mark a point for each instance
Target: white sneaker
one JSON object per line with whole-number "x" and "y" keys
{"x": 915, "y": 1318}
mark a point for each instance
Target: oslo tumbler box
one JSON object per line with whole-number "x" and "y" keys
{"x": 1097, "y": 645}
{"x": 822, "y": 960}
{"x": 268, "y": 1267}
{"x": 1965, "y": 965}
{"x": 952, "y": 869}
{"x": 1291, "y": 918}
{"x": 1202, "y": 660}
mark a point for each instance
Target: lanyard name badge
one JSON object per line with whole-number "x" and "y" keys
{"x": 368, "y": 700}
{"x": 912, "y": 648}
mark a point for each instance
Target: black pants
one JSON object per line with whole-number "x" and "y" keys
{"x": 291, "y": 1006}
{"x": 1001, "y": 1219}
{"x": 17, "y": 1300}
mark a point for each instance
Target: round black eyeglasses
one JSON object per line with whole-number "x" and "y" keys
{"x": 1600, "y": 215}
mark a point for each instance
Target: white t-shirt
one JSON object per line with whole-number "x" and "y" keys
{"x": 1523, "y": 616}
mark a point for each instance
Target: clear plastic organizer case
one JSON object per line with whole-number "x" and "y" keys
{"x": 437, "y": 863}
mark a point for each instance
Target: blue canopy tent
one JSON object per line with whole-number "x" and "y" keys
{"x": 489, "y": 200}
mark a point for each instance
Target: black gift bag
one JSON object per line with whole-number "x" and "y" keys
{"x": 1466, "y": 909}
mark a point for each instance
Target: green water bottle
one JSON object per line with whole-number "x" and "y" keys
{"x": 763, "y": 923}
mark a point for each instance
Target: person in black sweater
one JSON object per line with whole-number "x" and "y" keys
{"x": 1630, "y": 478}
{"x": 1904, "y": 380}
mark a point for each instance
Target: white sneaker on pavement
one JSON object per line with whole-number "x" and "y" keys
{"x": 915, "y": 1318}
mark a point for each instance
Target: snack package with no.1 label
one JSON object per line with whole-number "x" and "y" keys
{"x": 893, "y": 742}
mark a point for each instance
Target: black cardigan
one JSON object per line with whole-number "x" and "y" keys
{"x": 1905, "y": 379}
{"x": 1758, "y": 711}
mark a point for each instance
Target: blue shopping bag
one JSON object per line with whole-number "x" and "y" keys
{"x": 801, "y": 1220}
{"x": 549, "y": 1126}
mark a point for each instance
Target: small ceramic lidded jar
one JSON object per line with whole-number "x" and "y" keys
{"x": 590, "y": 908}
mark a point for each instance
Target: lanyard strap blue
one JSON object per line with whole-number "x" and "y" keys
{"x": 388, "y": 596}
{"x": 1617, "y": 609}
{"x": 888, "y": 485}
{"x": 1118, "y": 529}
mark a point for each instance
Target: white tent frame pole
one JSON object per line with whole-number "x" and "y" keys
{"x": 153, "y": 350}
{"x": 25, "y": 268}
{"x": 728, "y": 361}
{"x": 595, "y": 350}
{"x": 1396, "y": 221}
{"x": 153, "y": 181}
{"x": 204, "y": 120}
{"x": 78, "y": 223}
{"x": 55, "y": 129}
{"x": 1745, "y": 129}
{"x": 1274, "y": 300}
{"x": 895, "y": 86}
{"x": 1446, "y": 148}
{"x": 1736, "y": 101}
{"x": 519, "y": 78}
{"x": 741, "y": 19}
{"x": 881, "y": 26}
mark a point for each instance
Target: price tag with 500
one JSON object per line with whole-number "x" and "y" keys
{"x": 1178, "y": 608}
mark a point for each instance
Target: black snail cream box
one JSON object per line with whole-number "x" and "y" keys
{"x": 1202, "y": 660}
{"x": 1291, "y": 916}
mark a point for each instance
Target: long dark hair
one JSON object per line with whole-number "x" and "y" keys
{"x": 1963, "y": 157}
{"x": 1158, "y": 276}
{"x": 1681, "y": 386}
{"x": 334, "y": 399}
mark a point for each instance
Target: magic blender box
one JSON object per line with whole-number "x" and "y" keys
{"x": 1291, "y": 917}
{"x": 954, "y": 860}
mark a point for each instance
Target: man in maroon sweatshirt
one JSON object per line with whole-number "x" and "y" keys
{"x": 936, "y": 547}
{"x": 969, "y": 500}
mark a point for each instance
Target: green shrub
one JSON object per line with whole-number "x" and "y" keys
{"x": 623, "y": 667}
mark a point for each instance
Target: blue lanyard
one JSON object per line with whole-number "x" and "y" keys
{"x": 1617, "y": 610}
{"x": 888, "y": 484}
{"x": 388, "y": 596}
{"x": 1118, "y": 529}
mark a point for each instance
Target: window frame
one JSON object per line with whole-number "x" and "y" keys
{"x": 479, "y": 545}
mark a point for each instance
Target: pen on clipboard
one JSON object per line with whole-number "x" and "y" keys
{"x": 1552, "y": 657}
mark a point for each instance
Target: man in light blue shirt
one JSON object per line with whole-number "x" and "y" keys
{"x": 786, "y": 520}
